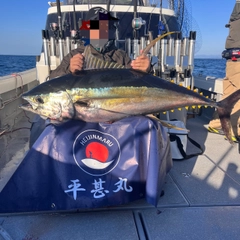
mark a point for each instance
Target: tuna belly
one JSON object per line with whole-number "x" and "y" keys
{"x": 141, "y": 105}
{"x": 115, "y": 109}
{"x": 145, "y": 104}
{"x": 111, "y": 109}
{"x": 90, "y": 114}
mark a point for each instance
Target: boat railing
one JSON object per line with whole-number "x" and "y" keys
{"x": 11, "y": 89}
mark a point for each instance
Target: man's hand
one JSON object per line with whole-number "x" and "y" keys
{"x": 141, "y": 63}
{"x": 76, "y": 63}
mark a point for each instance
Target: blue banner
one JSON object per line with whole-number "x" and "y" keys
{"x": 79, "y": 165}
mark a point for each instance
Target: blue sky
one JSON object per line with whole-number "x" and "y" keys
{"x": 21, "y": 23}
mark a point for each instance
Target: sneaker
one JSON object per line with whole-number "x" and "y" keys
{"x": 234, "y": 139}
{"x": 214, "y": 130}
{"x": 220, "y": 131}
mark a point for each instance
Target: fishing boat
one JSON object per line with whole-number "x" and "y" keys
{"x": 200, "y": 198}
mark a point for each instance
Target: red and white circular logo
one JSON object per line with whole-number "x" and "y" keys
{"x": 95, "y": 152}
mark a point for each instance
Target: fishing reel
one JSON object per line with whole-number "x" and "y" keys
{"x": 55, "y": 29}
{"x": 54, "y": 26}
{"x": 137, "y": 23}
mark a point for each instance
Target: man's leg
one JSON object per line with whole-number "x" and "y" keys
{"x": 231, "y": 83}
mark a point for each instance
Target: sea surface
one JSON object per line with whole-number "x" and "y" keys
{"x": 14, "y": 64}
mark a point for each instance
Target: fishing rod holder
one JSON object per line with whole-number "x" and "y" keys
{"x": 174, "y": 55}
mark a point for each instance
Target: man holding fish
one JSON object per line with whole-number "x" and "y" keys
{"x": 108, "y": 90}
{"x": 99, "y": 31}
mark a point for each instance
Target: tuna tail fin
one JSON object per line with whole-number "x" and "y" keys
{"x": 224, "y": 109}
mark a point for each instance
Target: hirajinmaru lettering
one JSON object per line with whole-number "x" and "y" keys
{"x": 89, "y": 137}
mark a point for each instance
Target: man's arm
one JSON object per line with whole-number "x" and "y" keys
{"x": 140, "y": 63}
{"x": 62, "y": 69}
{"x": 68, "y": 64}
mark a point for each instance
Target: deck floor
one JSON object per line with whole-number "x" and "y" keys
{"x": 201, "y": 201}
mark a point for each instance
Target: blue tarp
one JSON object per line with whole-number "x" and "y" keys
{"x": 79, "y": 165}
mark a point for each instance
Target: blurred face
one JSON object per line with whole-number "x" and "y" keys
{"x": 97, "y": 32}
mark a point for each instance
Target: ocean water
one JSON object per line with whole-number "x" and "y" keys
{"x": 210, "y": 67}
{"x": 14, "y": 64}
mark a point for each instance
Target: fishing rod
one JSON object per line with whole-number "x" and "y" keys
{"x": 74, "y": 31}
{"x": 108, "y": 5}
{"x": 134, "y": 17}
{"x": 137, "y": 23}
{"x": 60, "y": 30}
{"x": 148, "y": 47}
{"x": 160, "y": 30}
{"x": 59, "y": 16}
{"x": 74, "y": 16}
{"x": 45, "y": 37}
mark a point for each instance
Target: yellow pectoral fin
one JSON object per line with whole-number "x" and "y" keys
{"x": 166, "y": 124}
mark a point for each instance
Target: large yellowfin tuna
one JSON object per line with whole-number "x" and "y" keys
{"x": 102, "y": 95}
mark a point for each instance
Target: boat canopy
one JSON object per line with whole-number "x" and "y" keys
{"x": 113, "y": 2}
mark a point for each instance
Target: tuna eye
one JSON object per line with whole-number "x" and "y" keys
{"x": 39, "y": 99}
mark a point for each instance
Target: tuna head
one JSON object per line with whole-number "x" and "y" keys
{"x": 56, "y": 106}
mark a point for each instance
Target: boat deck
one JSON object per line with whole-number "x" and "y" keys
{"x": 201, "y": 201}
